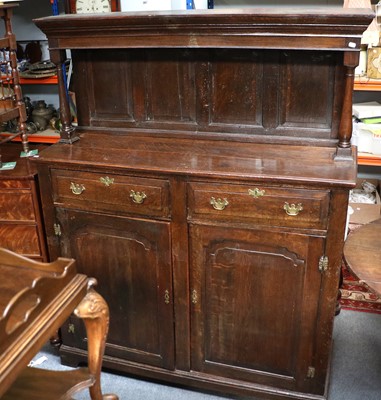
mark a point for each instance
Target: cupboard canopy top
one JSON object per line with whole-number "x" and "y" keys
{"x": 272, "y": 28}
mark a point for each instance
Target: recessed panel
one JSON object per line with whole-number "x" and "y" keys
{"x": 306, "y": 83}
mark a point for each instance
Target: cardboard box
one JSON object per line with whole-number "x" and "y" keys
{"x": 364, "y": 213}
{"x": 374, "y": 63}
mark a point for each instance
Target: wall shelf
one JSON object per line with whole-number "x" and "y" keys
{"x": 47, "y": 136}
{"x": 51, "y": 80}
{"x": 368, "y": 159}
{"x": 367, "y": 84}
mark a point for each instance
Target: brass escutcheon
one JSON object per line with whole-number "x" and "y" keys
{"x": 166, "y": 297}
{"x": 137, "y": 197}
{"x": 194, "y": 296}
{"x": 293, "y": 209}
{"x": 71, "y": 328}
{"x": 256, "y": 192}
{"x": 219, "y": 204}
{"x": 57, "y": 229}
{"x": 106, "y": 180}
{"x": 77, "y": 188}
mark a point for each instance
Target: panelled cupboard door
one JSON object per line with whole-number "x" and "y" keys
{"x": 255, "y": 299}
{"x": 131, "y": 260}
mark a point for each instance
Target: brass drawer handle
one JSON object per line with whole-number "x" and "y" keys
{"x": 293, "y": 209}
{"x": 106, "y": 180}
{"x": 137, "y": 197}
{"x": 77, "y": 188}
{"x": 256, "y": 192}
{"x": 219, "y": 204}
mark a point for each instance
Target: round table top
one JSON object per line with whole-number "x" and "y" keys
{"x": 362, "y": 252}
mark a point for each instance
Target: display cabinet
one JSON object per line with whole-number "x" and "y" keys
{"x": 206, "y": 187}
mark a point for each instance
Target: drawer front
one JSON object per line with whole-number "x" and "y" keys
{"x": 267, "y": 205}
{"x": 16, "y": 205}
{"x": 22, "y": 239}
{"x": 118, "y": 193}
{"x": 15, "y": 184}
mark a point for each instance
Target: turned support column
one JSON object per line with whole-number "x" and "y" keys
{"x": 22, "y": 128}
{"x": 344, "y": 149}
{"x": 94, "y": 312}
{"x": 67, "y": 131}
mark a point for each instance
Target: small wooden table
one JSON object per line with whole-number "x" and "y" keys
{"x": 362, "y": 252}
{"x": 35, "y": 300}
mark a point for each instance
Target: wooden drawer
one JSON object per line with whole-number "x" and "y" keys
{"x": 262, "y": 204}
{"x": 15, "y": 184}
{"x": 21, "y": 238}
{"x": 16, "y": 205}
{"x": 108, "y": 192}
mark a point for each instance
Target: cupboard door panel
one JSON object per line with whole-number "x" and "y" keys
{"x": 131, "y": 261}
{"x": 255, "y": 304}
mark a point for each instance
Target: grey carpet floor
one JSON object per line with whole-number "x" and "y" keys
{"x": 355, "y": 374}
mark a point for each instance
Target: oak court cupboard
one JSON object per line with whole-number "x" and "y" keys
{"x": 206, "y": 189}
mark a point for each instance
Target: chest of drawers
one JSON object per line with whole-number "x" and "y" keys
{"x": 206, "y": 188}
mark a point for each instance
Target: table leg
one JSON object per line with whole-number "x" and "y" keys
{"x": 94, "y": 312}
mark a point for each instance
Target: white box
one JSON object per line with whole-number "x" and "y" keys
{"x": 182, "y": 4}
{"x": 370, "y": 109}
{"x": 160, "y": 5}
{"x": 363, "y": 137}
{"x": 145, "y": 5}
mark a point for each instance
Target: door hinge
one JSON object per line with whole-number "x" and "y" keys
{"x": 57, "y": 229}
{"x": 323, "y": 263}
{"x": 311, "y": 372}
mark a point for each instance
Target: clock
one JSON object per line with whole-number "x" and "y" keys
{"x": 91, "y": 6}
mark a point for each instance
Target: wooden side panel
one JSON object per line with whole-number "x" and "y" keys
{"x": 235, "y": 90}
{"x": 306, "y": 83}
{"x": 111, "y": 87}
{"x": 169, "y": 88}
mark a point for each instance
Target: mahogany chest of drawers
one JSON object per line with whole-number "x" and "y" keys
{"x": 21, "y": 226}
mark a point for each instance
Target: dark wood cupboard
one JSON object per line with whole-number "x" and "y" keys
{"x": 206, "y": 188}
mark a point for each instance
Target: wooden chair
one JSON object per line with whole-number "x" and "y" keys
{"x": 35, "y": 299}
